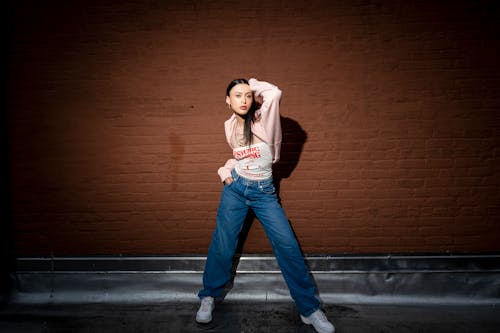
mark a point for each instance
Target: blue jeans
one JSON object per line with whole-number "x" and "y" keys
{"x": 260, "y": 196}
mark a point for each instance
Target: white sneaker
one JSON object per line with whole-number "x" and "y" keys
{"x": 204, "y": 314}
{"x": 319, "y": 321}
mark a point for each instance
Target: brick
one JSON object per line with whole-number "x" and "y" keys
{"x": 116, "y": 137}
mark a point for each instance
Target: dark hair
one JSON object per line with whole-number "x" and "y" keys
{"x": 250, "y": 116}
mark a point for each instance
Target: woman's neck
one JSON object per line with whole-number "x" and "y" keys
{"x": 240, "y": 120}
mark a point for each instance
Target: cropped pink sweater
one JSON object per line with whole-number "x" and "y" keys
{"x": 267, "y": 125}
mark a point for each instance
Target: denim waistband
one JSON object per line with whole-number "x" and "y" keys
{"x": 250, "y": 182}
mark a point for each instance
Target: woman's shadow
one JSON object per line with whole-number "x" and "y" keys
{"x": 294, "y": 138}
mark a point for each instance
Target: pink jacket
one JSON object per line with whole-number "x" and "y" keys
{"x": 267, "y": 125}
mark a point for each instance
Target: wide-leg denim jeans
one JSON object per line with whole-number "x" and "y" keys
{"x": 260, "y": 196}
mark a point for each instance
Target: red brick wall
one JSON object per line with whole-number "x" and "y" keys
{"x": 391, "y": 119}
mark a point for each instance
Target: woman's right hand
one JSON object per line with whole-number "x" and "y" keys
{"x": 228, "y": 181}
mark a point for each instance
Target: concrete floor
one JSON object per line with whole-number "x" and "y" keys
{"x": 233, "y": 317}
{"x": 138, "y": 295}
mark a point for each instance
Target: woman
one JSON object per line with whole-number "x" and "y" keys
{"x": 254, "y": 134}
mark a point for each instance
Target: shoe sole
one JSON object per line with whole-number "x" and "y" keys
{"x": 307, "y": 322}
{"x": 203, "y": 321}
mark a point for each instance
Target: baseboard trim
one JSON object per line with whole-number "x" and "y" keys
{"x": 409, "y": 279}
{"x": 265, "y": 263}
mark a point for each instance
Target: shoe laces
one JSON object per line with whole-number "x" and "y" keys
{"x": 320, "y": 316}
{"x": 206, "y": 304}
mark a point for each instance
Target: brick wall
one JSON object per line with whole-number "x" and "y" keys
{"x": 390, "y": 111}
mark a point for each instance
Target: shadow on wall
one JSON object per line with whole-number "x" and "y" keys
{"x": 294, "y": 138}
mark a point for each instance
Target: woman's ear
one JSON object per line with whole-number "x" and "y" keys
{"x": 228, "y": 100}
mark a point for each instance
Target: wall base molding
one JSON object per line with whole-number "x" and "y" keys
{"x": 408, "y": 279}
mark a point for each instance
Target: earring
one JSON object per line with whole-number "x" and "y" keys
{"x": 228, "y": 106}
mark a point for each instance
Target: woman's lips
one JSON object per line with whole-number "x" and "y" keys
{"x": 243, "y": 107}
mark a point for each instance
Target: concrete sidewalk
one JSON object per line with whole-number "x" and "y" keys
{"x": 233, "y": 317}
{"x": 158, "y": 294}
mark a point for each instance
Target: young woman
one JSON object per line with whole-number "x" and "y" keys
{"x": 254, "y": 135}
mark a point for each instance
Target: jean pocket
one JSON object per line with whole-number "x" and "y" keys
{"x": 267, "y": 188}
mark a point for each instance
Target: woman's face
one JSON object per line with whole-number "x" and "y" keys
{"x": 240, "y": 99}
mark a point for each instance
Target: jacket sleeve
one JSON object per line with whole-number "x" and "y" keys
{"x": 269, "y": 112}
{"x": 271, "y": 96}
{"x": 225, "y": 171}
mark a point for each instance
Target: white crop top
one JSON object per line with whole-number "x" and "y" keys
{"x": 254, "y": 162}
